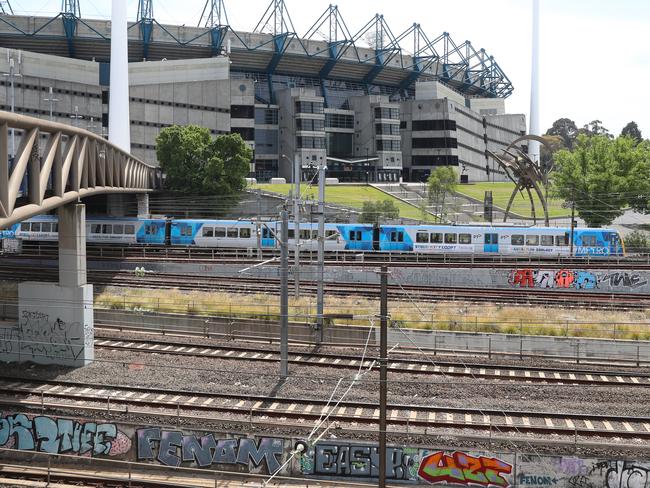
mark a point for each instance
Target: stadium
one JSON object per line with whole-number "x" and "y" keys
{"x": 375, "y": 106}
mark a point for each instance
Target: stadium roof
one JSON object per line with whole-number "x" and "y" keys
{"x": 327, "y": 50}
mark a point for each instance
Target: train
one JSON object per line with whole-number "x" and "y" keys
{"x": 252, "y": 234}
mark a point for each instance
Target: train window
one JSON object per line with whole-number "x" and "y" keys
{"x": 118, "y": 229}
{"x": 232, "y": 233}
{"x": 464, "y": 238}
{"x": 244, "y": 233}
{"x": 219, "y": 232}
{"x": 186, "y": 230}
{"x": 547, "y": 240}
{"x": 46, "y": 227}
{"x": 107, "y": 228}
{"x": 129, "y": 229}
{"x": 291, "y": 234}
{"x": 305, "y": 234}
{"x": 422, "y": 237}
{"x": 55, "y": 227}
{"x": 450, "y": 238}
{"x": 267, "y": 233}
{"x": 24, "y": 227}
{"x": 208, "y": 231}
{"x": 589, "y": 240}
{"x": 517, "y": 240}
{"x": 562, "y": 240}
{"x": 36, "y": 226}
{"x": 331, "y": 234}
{"x": 314, "y": 234}
{"x": 532, "y": 240}
{"x": 436, "y": 238}
{"x": 355, "y": 235}
{"x": 96, "y": 229}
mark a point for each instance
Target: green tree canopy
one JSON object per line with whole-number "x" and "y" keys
{"x": 632, "y": 130}
{"x": 195, "y": 163}
{"x": 637, "y": 241}
{"x": 441, "y": 184}
{"x": 566, "y": 129}
{"x": 376, "y": 212}
{"x": 603, "y": 176}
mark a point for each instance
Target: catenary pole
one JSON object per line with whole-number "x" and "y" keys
{"x": 284, "y": 296}
{"x": 383, "y": 374}
{"x": 296, "y": 239}
{"x": 320, "y": 292}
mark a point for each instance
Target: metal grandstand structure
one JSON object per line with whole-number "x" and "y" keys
{"x": 373, "y": 58}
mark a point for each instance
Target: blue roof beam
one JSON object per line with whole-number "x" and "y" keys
{"x": 378, "y": 35}
{"x": 145, "y": 20}
{"x": 423, "y": 56}
{"x": 331, "y": 28}
{"x": 70, "y": 13}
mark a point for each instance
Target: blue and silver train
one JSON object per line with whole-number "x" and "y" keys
{"x": 248, "y": 234}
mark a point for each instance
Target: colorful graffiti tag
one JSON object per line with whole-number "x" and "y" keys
{"x": 171, "y": 448}
{"x": 575, "y": 279}
{"x": 463, "y": 469}
{"x": 62, "y": 436}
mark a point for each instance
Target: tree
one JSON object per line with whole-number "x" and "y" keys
{"x": 546, "y": 156}
{"x": 637, "y": 241}
{"x": 376, "y": 212}
{"x": 632, "y": 130}
{"x": 602, "y": 176}
{"x": 195, "y": 163}
{"x": 566, "y": 129}
{"x": 595, "y": 128}
{"x": 441, "y": 183}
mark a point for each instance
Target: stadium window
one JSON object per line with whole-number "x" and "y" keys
{"x": 450, "y": 238}
{"x": 208, "y": 232}
{"x": 436, "y": 238}
{"x": 517, "y": 240}
{"x": 219, "y": 232}
{"x": 422, "y": 237}
{"x": 129, "y": 229}
{"x": 231, "y": 233}
{"x": 244, "y": 233}
{"x": 464, "y": 238}
{"x": 547, "y": 240}
{"x": 107, "y": 228}
{"x": 97, "y": 229}
{"x": 118, "y": 228}
{"x": 532, "y": 240}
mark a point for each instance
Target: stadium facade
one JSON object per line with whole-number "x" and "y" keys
{"x": 374, "y": 114}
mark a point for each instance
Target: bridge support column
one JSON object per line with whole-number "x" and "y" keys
{"x": 56, "y": 323}
{"x": 143, "y": 205}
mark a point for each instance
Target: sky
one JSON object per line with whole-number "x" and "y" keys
{"x": 594, "y": 54}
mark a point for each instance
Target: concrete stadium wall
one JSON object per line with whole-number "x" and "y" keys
{"x": 93, "y": 440}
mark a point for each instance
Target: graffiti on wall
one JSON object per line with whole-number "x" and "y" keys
{"x": 173, "y": 448}
{"x": 574, "y": 279}
{"x": 40, "y": 336}
{"x": 460, "y": 468}
{"x": 62, "y": 436}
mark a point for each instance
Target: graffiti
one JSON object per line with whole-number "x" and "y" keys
{"x": 61, "y": 436}
{"x": 579, "y": 481}
{"x": 625, "y": 474}
{"x": 537, "y": 480}
{"x": 570, "y": 466}
{"x": 464, "y": 469}
{"x": 37, "y": 336}
{"x": 573, "y": 279}
{"x": 360, "y": 461}
{"x": 171, "y": 448}
{"x": 624, "y": 279}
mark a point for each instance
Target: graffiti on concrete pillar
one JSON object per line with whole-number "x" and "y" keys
{"x": 574, "y": 279}
{"x": 62, "y": 436}
{"x": 173, "y": 448}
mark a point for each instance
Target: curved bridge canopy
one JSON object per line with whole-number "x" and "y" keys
{"x": 55, "y": 164}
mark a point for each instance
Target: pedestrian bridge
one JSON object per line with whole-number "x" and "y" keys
{"x": 56, "y": 164}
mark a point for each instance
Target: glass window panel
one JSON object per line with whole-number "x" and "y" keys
{"x": 107, "y": 228}
{"x": 129, "y": 229}
{"x": 118, "y": 228}
{"x": 465, "y": 238}
{"x": 450, "y": 238}
{"x": 244, "y": 233}
{"x": 422, "y": 237}
{"x": 208, "y": 231}
{"x": 232, "y": 233}
{"x": 532, "y": 240}
{"x": 547, "y": 240}
{"x": 436, "y": 238}
{"x": 517, "y": 240}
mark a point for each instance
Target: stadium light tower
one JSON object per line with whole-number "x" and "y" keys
{"x": 533, "y": 147}
{"x": 119, "y": 126}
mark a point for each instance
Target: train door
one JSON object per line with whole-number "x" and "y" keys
{"x": 375, "y": 238}
{"x": 491, "y": 243}
{"x": 268, "y": 236}
{"x": 168, "y": 232}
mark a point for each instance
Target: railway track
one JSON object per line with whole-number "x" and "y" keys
{"x": 340, "y": 258}
{"x": 190, "y": 405}
{"x": 597, "y": 300}
{"x": 440, "y": 368}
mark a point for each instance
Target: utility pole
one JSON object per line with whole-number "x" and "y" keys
{"x": 296, "y": 216}
{"x": 52, "y": 101}
{"x": 259, "y": 224}
{"x": 284, "y": 296}
{"x": 573, "y": 215}
{"x": 383, "y": 374}
{"x": 320, "y": 292}
{"x": 12, "y": 75}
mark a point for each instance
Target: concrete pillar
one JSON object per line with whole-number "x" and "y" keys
{"x": 72, "y": 245}
{"x": 55, "y": 321}
{"x": 143, "y": 205}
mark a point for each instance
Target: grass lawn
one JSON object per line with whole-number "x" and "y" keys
{"x": 501, "y": 194}
{"x": 347, "y": 195}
